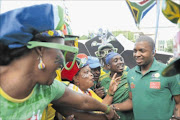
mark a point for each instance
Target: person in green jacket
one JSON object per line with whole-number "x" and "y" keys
{"x": 115, "y": 64}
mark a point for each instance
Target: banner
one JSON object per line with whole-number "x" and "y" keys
{"x": 140, "y": 9}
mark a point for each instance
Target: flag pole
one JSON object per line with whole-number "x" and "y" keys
{"x": 157, "y": 20}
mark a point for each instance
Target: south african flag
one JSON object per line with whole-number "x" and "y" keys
{"x": 140, "y": 9}
{"x": 171, "y": 10}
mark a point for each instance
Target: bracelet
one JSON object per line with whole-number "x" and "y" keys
{"x": 110, "y": 94}
{"x": 108, "y": 109}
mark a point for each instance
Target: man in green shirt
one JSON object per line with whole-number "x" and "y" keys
{"x": 152, "y": 96}
{"x": 101, "y": 53}
{"x": 115, "y": 64}
{"x": 103, "y": 50}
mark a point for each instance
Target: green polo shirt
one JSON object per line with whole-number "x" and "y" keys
{"x": 120, "y": 95}
{"x": 152, "y": 93}
{"x": 178, "y": 78}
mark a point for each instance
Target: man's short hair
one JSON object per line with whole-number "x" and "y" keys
{"x": 147, "y": 39}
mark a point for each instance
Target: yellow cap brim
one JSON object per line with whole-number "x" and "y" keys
{"x": 172, "y": 69}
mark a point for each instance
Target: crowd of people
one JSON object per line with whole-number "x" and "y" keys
{"x": 42, "y": 76}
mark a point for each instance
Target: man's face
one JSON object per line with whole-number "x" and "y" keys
{"x": 117, "y": 64}
{"x": 143, "y": 53}
{"x": 96, "y": 72}
{"x": 69, "y": 55}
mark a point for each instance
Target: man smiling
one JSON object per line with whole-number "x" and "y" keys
{"x": 154, "y": 96}
{"x": 115, "y": 63}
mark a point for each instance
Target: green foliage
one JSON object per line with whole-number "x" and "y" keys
{"x": 169, "y": 47}
{"x": 116, "y": 33}
{"x": 83, "y": 37}
{"x": 129, "y": 35}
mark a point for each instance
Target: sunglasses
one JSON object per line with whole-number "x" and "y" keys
{"x": 103, "y": 53}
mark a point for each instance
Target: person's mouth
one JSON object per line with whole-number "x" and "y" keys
{"x": 120, "y": 67}
{"x": 139, "y": 60}
{"x": 92, "y": 79}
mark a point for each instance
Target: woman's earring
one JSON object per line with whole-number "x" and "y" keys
{"x": 41, "y": 65}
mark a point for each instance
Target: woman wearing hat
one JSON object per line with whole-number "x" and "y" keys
{"x": 81, "y": 79}
{"x": 30, "y": 53}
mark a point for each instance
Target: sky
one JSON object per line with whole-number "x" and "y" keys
{"x": 89, "y": 16}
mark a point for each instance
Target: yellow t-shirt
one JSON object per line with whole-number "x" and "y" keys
{"x": 88, "y": 92}
{"x": 104, "y": 74}
{"x": 58, "y": 77}
{"x": 50, "y": 113}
